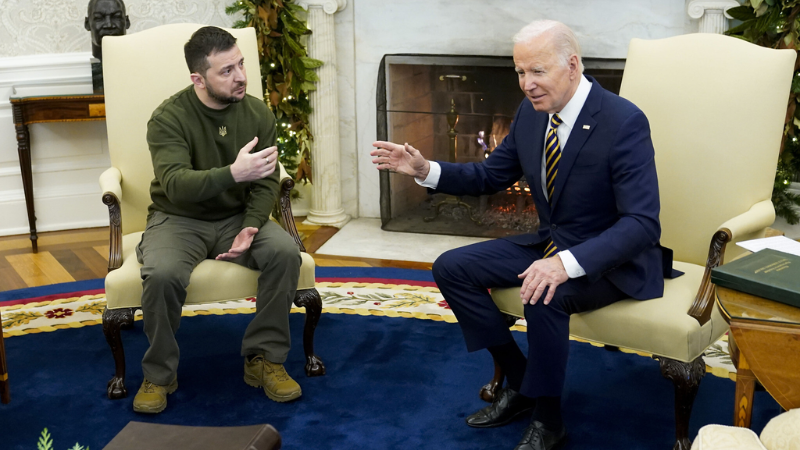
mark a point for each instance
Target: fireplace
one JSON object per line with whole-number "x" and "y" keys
{"x": 457, "y": 109}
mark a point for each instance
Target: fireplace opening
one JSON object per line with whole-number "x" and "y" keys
{"x": 457, "y": 109}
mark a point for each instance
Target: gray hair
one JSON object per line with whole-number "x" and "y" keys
{"x": 564, "y": 39}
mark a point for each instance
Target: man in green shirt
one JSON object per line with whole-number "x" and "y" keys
{"x": 214, "y": 158}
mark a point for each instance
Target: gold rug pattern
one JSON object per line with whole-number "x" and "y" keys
{"x": 364, "y": 299}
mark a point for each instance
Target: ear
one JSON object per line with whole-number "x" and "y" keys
{"x": 574, "y": 66}
{"x": 86, "y": 24}
{"x": 198, "y": 80}
{"x": 127, "y": 22}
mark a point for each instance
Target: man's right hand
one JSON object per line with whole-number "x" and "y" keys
{"x": 400, "y": 158}
{"x": 254, "y": 166}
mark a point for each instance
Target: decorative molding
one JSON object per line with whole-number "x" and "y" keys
{"x": 76, "y": 190}
{"x": 66, "y": 73}
{"x": 329, "y": 6}
{"x": 713, "y": 14}
{"x": 30, "y": 27}
{"x": 75, "y": 162}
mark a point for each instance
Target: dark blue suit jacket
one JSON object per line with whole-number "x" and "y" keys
{"x": 605, "y": 205}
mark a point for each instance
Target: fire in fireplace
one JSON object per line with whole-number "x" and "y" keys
{"x": 457, "y": 109}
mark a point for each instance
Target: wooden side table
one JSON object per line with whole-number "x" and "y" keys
{"x": 60, "y": 108}
{"x": 766, "y": 336}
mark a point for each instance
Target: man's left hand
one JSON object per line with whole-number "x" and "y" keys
{"x": 240, "y": 244}
{"x": 543, "y": 274}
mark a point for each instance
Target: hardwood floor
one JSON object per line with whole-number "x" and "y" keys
{"x": 76, "y": 255}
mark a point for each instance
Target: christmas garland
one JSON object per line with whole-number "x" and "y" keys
{"x": 287, "y": 74}
{"x": 776, "y": 24}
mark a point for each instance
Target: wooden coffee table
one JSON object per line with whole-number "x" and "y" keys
{"x": 765, "y": 346}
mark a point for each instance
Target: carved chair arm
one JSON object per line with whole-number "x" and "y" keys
{"x": 758, "y": 217}
{"x": 286, "y": 218}
{"x": 111, "y": 185}
{"x": 703, "y": 303}
{"x": 115, "y": 230}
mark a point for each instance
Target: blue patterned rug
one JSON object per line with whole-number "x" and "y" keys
{"x": 393, "y": 381}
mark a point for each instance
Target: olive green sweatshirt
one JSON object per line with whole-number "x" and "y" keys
{"x": 193, "y": 147}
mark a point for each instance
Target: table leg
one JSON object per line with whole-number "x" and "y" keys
{"x": 24, "y": 149}
{"x": 745, "y": 385}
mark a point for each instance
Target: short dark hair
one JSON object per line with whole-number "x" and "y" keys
{"x": 202, "y": 44}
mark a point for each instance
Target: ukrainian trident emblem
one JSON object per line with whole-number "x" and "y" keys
{"x": 223, "y": 131}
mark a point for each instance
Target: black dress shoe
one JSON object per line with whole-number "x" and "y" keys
{"x": 537, "y": 437}
{"x": 507, "y": 406}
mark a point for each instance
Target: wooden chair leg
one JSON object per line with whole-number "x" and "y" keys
{"x": 115, "y": 320}
{"x": 312, "y": 302}
{"x": 686, "y": 378}
{"x": 489, "y": 390}
{"x": 5, "y": 392}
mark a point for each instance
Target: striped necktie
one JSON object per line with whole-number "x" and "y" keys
{"x": 552, "y": 157}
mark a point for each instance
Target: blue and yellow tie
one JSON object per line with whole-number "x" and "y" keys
{"x": 552, "y": 157}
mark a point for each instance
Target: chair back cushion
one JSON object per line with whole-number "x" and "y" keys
{"x": 140, "y": 71}
{"x": 716, "y": 105}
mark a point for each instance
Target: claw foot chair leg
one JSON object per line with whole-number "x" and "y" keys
{"x": 489, "y": 390}
{"x": 115, "y": 320}
{"x": 686, "y": 378}
{"x": 312, "y": 302}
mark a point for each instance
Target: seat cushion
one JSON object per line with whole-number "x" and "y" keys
{"x": 211, "y": 280}
{"x": 659, "y": 326}
{"x": 783, "y": 432}
{"x": 721, "y": 437}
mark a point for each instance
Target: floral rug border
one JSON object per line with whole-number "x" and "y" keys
{"x": 376, "y": 299}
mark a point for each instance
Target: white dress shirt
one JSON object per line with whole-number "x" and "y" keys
{"x": 568, "y": 114}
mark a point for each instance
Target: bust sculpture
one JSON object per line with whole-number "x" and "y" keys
{"x": 104, "y": 18}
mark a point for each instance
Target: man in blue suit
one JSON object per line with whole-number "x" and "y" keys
{"x": 589, "y": 159}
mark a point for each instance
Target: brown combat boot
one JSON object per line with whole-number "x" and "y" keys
{"x": 152, "y": 398}
{"x": 277, "y": 384}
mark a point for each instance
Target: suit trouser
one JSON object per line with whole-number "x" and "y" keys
{"x": 464, "y": 276}
{"x": 172, "y": 246}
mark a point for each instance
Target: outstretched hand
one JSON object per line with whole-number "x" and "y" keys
{"x": 543, "y": 274}
{"x": 398, "y": 158}
{"x": 240, "y": 244}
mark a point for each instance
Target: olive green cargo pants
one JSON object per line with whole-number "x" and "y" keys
{"x": 172, "y": 246}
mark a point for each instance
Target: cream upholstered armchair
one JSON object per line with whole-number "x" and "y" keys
{"x": 140, "y": 71}
{"x": 717, "y": 134}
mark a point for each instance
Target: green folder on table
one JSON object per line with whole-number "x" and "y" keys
{"x": 767, "y": 273}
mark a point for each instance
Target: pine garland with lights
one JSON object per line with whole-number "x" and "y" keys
{"x": 287, "y": 74}
{"x": 776, "y": 24}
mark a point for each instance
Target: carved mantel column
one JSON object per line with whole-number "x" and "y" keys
{"x": 712, "y": 14}
{"x": 326, "y": 200}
